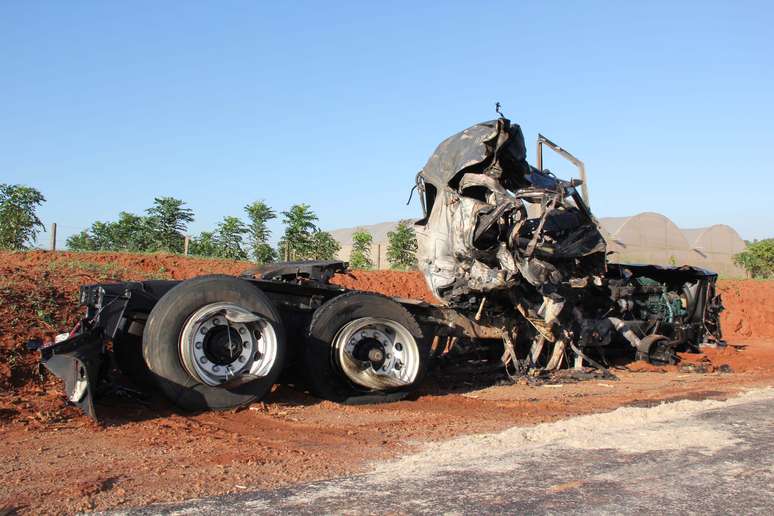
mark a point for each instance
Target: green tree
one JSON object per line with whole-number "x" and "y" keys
{"x": 300, "y": 225}
{"x": 258, "y": 232}
{"x": 167, "y": 221}
{"x": 130, "y": 233}
{"x": 402, "y": 246}
{"x": 81, "y": 242}
{"x": 360, "y": 257}
{"x": 19, "y": 224}
{"x": 758, "y": 259}
{"x": 264, "y": 253}
{"x": 229, "y": 238}
{"x": 204, "y": 245}
{"x": 322, "y": 246}
{"x": 103, "y": 236}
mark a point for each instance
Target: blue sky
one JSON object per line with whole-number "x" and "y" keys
{"x": 108, "y": 104}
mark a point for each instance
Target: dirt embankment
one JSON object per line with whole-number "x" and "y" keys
{"x": 39, "y": 292}
{"x": 54, "y": 460}
{"x": 119, "y": 265}
{"x": 409, "y": 285}
{"x": 749, "y": 308}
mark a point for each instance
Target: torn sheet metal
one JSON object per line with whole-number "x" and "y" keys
{"x": 491, "y": 218}
{"x": 496, "y": 228}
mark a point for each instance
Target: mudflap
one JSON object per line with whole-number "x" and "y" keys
{"x": 79, "y": 361}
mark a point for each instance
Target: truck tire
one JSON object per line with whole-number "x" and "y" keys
{"x": 363, "y": 347}
{"x": 190, "y": 346}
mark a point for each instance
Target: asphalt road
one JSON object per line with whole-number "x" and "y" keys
{"x": 683, "y": 457}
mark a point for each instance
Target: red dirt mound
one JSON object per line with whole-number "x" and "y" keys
{"x": 54, "y": 460}
{"x": 39, "y": 291}
{"x": 122, "y": 265}
{"x": 410, "y": 285}
{"x": 749, "y": 308}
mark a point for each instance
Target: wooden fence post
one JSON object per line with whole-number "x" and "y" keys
{"x": 186, "y": 243}
{"x": 378, "y": 256}
{"x": 52, "y": 244}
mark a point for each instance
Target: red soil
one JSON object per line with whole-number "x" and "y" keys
{"x": 749, "y": 308}
{"x": 121, "y": 265}
{"x": 54, "y": 460}
{"x": 38, "y": 295}
{"x": 409, "y": 285}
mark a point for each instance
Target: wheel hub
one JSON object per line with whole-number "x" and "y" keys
{"x": 376, "y": 353}
{"x": 222, "y": 345}
{"x": 370, "y": 350}
{"x": 222, "y": 342}
{"x": 376, "y": 356}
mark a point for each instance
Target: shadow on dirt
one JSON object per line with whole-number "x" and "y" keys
{"x": 122, "y": 407}
{"x": 447, "y": 375}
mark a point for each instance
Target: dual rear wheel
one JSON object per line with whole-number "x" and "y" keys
{"x": 217, "y": 342}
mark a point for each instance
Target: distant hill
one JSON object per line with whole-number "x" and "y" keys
{"x": 378, "y": 231}
{"x": 643, "y": 238}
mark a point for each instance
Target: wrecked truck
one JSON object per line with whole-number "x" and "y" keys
{"x": 514, "y": 247}
{"x": 512, "y": 253}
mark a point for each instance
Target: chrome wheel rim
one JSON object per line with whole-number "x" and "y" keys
{"x": 376, "y": 353}
{"x": 222, "y": 343}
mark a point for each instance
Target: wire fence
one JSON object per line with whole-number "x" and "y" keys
{"x": 378, "y": 254}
